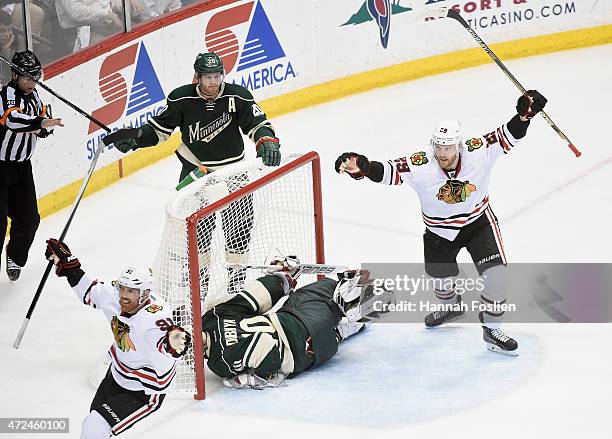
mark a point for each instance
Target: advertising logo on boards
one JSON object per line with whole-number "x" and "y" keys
{"x": 379, "y": 11}
{"x": 244, "y": 38}
{"x": 136, "y": 102}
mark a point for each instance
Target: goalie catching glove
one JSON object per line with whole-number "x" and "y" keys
{"x": 177, "y": 341}
{"x": 288, "y": 270}
{"x": 355, "y": 165}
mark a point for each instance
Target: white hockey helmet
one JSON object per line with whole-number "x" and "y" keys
{"x": 138, "y": 278}
{"x": 447, "y": 133}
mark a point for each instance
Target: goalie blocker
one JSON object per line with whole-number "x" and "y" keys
{"x": 253, "y": 350}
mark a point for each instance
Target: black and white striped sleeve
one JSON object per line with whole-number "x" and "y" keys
{"x": 396, "y": 171}
{"x": 13, "y": 116}
{"x": 505, "y": 138}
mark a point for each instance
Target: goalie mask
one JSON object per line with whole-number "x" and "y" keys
{"x": 137, "y": 278}
{"x": 447, "y": 139}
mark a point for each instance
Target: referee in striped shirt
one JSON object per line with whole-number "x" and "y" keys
{"x": 23, "y": 120}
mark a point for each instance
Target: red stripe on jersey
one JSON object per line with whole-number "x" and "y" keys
{"x": 137, "y": 415}
{"x": 458, "y": 221}
{"x": 127, "y": 370}
{"x": 497, "y": 233}
{"x": 160, "y": 345}
{"x": 502, "y": 139}
{"x": 86, "y": 295}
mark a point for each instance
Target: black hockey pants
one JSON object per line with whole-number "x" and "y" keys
{"x": 18, "y": 202}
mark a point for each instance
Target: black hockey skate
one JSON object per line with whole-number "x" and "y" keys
{"x": 442, "y": 317}
{"x": 13, "y": 270}
{"x": 498, "y": 341}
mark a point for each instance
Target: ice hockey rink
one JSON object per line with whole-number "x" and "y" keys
{"x": 393, "y": 380}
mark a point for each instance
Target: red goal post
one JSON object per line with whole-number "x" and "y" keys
{"x": 244, "y": 213}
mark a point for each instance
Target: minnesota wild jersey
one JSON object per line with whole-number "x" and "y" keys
{"x": 238, "y": 337}
{"x": 210, "y": 128}
{"x": 139, "y": 360}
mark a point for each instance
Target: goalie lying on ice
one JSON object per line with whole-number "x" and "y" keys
{"x": 252, "y": 349}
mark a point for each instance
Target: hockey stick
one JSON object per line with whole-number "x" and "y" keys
{"x": 318, "y": 269}
{"x": 57, "y": 95}
{"x": 451, "y": 13}
{"x": 43, "y": 281}
{"x": 77, "y": 201}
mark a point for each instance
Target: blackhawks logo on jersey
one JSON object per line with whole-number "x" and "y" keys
{"x": 154, "y": 308}
{"x": 419, "y": 158}
{"x": 474, "y": 143}
{"x": 455, "y": 191}
{"x": 121, "y": 332}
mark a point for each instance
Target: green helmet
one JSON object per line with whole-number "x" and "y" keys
{"x": 208, "y": 63}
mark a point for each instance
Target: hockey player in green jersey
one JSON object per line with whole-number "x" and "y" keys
{"x": 210, "y": 114}
{"x": 252, "y": 348}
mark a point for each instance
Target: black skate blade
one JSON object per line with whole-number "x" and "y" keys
{"x": 494, "y": 348}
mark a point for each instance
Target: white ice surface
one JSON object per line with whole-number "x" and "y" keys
{"x": 393, "y": 380}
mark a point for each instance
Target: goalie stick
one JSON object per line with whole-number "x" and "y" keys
{"x": 296, "y": 270}
{"x": 75, "y": 205}
{"x": 451, "y": 13}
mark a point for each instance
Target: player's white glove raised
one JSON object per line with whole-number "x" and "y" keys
{"x": 252, "y": 381}
{"x": 177, "y": 341}
{"x": 288, "y": 267}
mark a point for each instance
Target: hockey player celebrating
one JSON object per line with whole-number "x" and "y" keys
{"x": 145, "y": 349}
{"x": 210, "y": 115}
{"x": 253, "y": 348}
{"x": 453, "y": 191}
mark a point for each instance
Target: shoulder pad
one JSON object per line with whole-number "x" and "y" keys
{"x": 238, "y": 90}
{"x": 419, "y": 158}
{"x": 473, "y": 144}
{"x": 153, "y": 308}
{"x": 183, "y": 91}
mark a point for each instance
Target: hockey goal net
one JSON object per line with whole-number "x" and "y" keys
{"x": 245, "y": 213}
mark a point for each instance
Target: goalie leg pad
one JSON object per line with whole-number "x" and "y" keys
{"x": 349, "y": 285}
{"x": 347, "y": 328}
{"x": 370, "y": 303}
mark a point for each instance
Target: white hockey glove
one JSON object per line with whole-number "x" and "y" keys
{"x": 288, "y": 271}
{"x": 177, "y": 341}
{"x": 252, "y": 381}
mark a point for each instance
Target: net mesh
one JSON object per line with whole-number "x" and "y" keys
{"x": 276, "y": 219}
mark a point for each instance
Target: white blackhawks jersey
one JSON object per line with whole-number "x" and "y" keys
{"x": 450, "y": 201}
{"x": 138, "y": 355}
